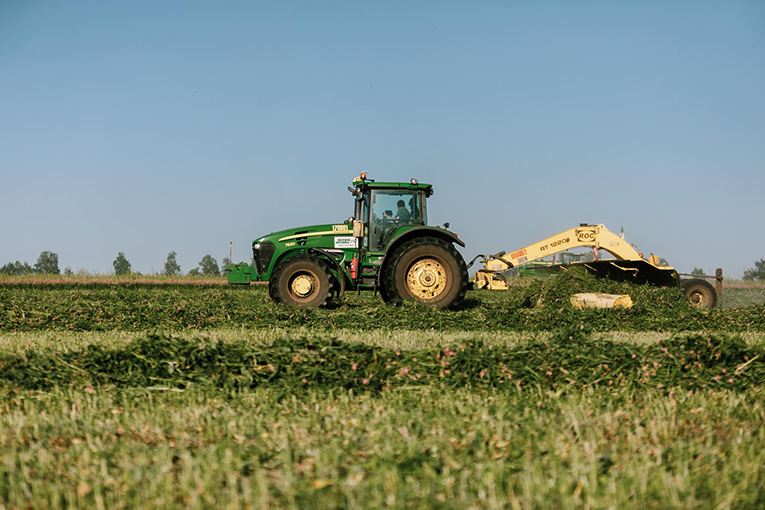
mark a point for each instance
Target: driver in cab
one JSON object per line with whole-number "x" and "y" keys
{"x": 402, "y": 214}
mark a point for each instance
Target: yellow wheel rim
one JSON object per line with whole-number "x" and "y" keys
{"x": 426, "y": 279}
{"x": 697, "y": 298}
{"x": 303, "y": 285}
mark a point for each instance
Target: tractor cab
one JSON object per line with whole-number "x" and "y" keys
{"x": 388, "y": 208}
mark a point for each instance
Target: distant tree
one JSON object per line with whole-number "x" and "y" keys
{"x": 225, "y": 261}
{"x": 757, "y": 272}
{"x": 16, "y": 268}
{"x": 121, "y": 265}
{"x": 209, "y": 266}
{"x": 697, "y": 270}
{"x": 194, "y": 272}
{"x": 171, "y": 265}
{"x": 47, "y": 263}
{"x": 68, "y": 271}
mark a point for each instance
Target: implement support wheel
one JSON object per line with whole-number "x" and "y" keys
{"x": 302, "y": 280}
{"x": 699, "y": 292}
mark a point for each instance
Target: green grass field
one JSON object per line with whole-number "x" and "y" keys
{"x": 195, "y": 396}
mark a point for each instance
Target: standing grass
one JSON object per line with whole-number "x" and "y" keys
{"x": 422, "y": 448}
{"x": 85, "y": 279}
{"x": 739, "y": 294}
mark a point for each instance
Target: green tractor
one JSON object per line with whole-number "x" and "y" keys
{"x": 386, "y": 246}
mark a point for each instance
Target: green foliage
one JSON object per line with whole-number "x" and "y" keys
{"x": 571, "y": 360}
{"x": 136, "y": 306}
{"x": 757, "y": 272}
{"x": 550, "y": 296}
{"x": 121, "y": 265}
{"x": 311, "y": 422}
{"x": 213, "y": 396}
{"x": 16, "y": 268}
{"x": 171, "y": 265}
{"x": 47, "y": 263}
{"x": 209, "y": 266}
{"x": 418, "y": 448}
{"x": 698, "y": 270}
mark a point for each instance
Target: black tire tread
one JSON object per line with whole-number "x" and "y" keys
{"x": 688, "y": 286}
{"x": 389, "y": 283}
{"x": 273, "y": 284}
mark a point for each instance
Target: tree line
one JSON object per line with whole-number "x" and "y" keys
{"x": 47, "y": 263}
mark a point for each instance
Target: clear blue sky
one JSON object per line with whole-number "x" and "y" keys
{"x": 145, "y": 127}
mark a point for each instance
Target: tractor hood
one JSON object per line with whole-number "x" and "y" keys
{"x": 267, "y": 250}
{"x": 300, "y": 234}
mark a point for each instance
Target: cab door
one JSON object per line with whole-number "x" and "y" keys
{"x": 390, "y": 210}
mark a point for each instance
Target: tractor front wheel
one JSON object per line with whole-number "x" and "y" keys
{"x": 302, "y": 280}
{"x": 429, "y": 271}
{"x": 699, "y": 292}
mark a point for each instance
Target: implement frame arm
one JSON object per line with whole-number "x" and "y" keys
{"x": 629, "y": 263}
{"x": 595, "y": 236}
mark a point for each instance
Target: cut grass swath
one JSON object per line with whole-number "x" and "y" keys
{"x": 570, "y": 360}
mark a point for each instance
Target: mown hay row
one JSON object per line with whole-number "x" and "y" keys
{"x": 570, "y": 360}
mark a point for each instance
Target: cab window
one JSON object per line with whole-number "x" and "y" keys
{"x": 391, "y": 209}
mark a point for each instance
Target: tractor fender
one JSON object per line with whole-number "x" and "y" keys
{"x": 411, "y": 234}
{"x": 333, "y": 264}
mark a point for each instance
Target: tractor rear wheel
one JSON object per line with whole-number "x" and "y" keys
{"x": 429, "y": 271}
{"x": 302, "y": 280}
{"x": 699, "y": 292}
{"x": 384, "y": 295}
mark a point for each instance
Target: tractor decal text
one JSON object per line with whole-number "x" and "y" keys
{"x": 341, "y": 229}
{"x": 518, "y": 254}
{"x": 586, "y": 236}
{"x": 346, "y": 242}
